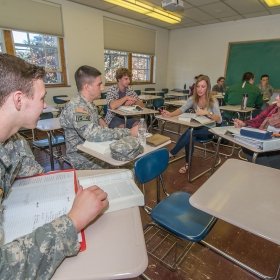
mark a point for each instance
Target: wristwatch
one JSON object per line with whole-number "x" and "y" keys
{"x": 210, "y": 114}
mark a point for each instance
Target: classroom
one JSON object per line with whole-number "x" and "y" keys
{"x": 94, "y": 33}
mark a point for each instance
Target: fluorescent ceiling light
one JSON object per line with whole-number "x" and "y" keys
{"x": 272, "y": 3}
{"x": 146, "y": 9}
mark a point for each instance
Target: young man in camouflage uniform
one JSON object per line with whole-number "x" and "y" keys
{"x": 81, "y": 122}
{"x": 121, "y": 94}
{"x": 38, "y": 254}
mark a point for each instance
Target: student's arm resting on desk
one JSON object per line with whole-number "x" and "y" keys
{"x": 179, "y": 111}
{"x": 87, "y": 126}
{"x": 38, "y": 254}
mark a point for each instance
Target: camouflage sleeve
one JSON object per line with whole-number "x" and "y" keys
{"x": 37, "y": 255}
{"x": 88, "y": 128}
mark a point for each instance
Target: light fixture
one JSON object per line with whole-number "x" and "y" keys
{"x": 146, "y": 9}
{"x": 272, "y": 3}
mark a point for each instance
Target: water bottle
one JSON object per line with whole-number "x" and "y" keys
{"x": 185, "y": 86}
{"x": 244, "y": 101}
{"x": 142, "y": 129}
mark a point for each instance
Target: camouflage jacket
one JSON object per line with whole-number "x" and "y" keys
{"x": 80, "y": 122}
{"x": 38, "y": 254}
{"x": 113, "y": 94}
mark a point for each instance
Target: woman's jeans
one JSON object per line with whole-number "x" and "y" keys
{"x": 184, "y": 140}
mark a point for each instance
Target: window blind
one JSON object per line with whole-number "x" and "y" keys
{"x": 31, "y": 15}
{"x": 127, "y": 37}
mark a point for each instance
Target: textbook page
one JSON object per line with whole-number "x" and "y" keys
{"x": 35, "y": 201}
{"x": 188, "y": 117}
{"x": 120, "y": 187}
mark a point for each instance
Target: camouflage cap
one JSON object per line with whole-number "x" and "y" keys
{"x": 127, "y": 148}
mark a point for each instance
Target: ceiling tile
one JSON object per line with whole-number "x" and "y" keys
{"x": 210, "y": 21}
{"x": 231, "y": 18}
{"x": 245, "y": 7}
{"x": 259, "y": 14}
{"x": 218, "y": 10}
{"x": 196, "y": 14}
{"x": 198, "y": 3}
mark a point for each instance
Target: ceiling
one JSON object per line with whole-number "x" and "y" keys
{"x": 196, "y": 12}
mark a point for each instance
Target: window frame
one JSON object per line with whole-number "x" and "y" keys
{"x": 130, "y": 54}
{"x": 10, "y": 49}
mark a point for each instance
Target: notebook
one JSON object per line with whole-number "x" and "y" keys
{"x": 157, "y": 139}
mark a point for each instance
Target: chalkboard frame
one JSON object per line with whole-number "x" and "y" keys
{"x": 259, "y": 57}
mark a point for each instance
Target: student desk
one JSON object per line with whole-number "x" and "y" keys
{"x": 50, "y": 109}
{"x": 245, "y": 195}
{"x": 151, "y": 92}
{"x": 143, "y": 112}
{"x": 176, "y": 95}
{"x": 115, "y": 246}
{"x": 108, "y": 158}
{"x": 237, "y": 109}
{"x": 48, "y": 125}
{"x": 220, "y": 132}
{"x": 176, "y": 103}
{"x": 148, "y": 98}
{"x": 191, "y": 125}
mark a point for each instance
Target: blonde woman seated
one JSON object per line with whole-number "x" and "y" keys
{"x": 204, "y": 105}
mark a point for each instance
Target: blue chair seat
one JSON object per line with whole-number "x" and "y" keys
{"x": 176, "y": 214}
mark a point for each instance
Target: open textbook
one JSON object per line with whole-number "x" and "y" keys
{"x": 188, "y": 117}
{"x": 35, "y": 201}
{"x": 129, "y": 109}
{"x": 120, "y": 187}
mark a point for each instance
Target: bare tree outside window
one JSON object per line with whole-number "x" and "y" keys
{"x": 42, "y": 50}
{"x": 141, "y": 66}
{"x": 114, "y": 60}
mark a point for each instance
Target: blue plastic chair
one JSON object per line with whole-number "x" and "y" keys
{"x": 173, "y": 214}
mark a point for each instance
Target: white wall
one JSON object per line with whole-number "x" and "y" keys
{"x": 84, "y": 44}
{"x": 203, "y": 49}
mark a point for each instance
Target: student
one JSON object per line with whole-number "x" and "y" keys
{"x": 234, "y": 94}
{"x": 220, "y": 86}
{"x": 204, "y": 105}
{"x": 121, "y": 94}
{"x": 38, "y": 254}
{"x": 269, "y": 117}
{"x": 265, "y": 87}
{"x": 81, "y": 122}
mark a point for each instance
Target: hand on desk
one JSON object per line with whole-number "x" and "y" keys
{"x": 238, "y": 123}
{"x": 165, "y": 113}
{"x": 130, "y": 101}
{"x": 134, "y": 131}
{"x": 88, "y": 204}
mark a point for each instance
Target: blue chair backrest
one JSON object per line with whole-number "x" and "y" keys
{"x": 56, "y": 99}
{"x": 151, "y": 165}
{"x": 137, "y": 91}
{"x": 103, "y": 95}
{"x": 165, "y": 90}
{"x": 157, "y": 103}
{"x": 147, "y": 89}
{"x": 45, "y": 116}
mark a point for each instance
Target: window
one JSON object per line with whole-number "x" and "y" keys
{"x": 141, "y": 66}
{"x": 1, "y": 42}
{"x": 114, "y": 60}
{"x": 40, "y": 49}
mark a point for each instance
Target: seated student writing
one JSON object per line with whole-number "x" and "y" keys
{"x": 268, "y": 117}
{"x": 38, "y": 254}
{"x": 204, "y": 105}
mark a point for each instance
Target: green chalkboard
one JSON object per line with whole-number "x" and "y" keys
{"x": 259, "y": 57}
